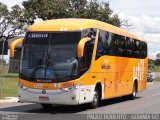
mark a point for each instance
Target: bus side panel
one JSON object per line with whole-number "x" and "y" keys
{"x": 105, "y": 70}
{"x": 131, "y": 69}
{"x": 126, "y": 79}
{"x": 140, "y": 68}
{"x": 87, "y": 87}
{"x": 144, "y": 72}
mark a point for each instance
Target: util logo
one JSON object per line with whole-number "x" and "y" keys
{"x": 138, "y": 71}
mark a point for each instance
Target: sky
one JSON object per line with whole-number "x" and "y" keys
{"x": 142, "y": 15}
{"x": 144, "y": 18}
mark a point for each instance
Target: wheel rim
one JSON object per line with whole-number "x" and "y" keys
{"x": 134, "y": 91}
{"x": 95, "y": 99}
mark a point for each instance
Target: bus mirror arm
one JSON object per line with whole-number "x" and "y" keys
{"x": 81, "y": 44}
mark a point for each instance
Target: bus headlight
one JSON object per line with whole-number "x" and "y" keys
{"x": 21, "y": 86}
{"x": 70, "y": 88}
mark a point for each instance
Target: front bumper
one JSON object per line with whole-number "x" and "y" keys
{"x": 55, "y": 96}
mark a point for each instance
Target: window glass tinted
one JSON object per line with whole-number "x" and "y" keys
{"x": 48, "y": 57}
{"x": 118, "y": 45}
{"x": 85, "y": 61}
{"x": 102, "y": 44}
{"x": 89, "y": 33}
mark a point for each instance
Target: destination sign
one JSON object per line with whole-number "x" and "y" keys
{"x": 38, "y": 35}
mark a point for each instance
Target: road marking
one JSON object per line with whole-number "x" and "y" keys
{"x": 154, "y": 95}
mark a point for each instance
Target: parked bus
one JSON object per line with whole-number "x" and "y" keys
{"x": 77, "y": 61}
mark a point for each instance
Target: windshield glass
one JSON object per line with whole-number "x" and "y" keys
{"x": 47, "y": 57}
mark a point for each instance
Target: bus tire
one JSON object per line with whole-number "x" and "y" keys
{"x": 46, "y": 106}
{"x": 134, "y": 92}
{"x": 96, "y": 99}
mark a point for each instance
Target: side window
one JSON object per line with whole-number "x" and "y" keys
{"x": 121, "y": 46}
{"x": 132, "y": 47}
{"x": 109, "y": 43}
{"x": 128, "y": 47}
{"x": 136, "y": 48}
{"x": 118, "y": 45}
{"x": 102, "y": 44}
{"x": 143, "y": 50}
{"x": 89, "y": 32}
{"x": 115, "y": 44}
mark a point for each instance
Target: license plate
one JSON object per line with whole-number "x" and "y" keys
{"x": 43, "y": 98}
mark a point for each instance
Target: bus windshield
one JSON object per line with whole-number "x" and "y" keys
{"x": 49, "y": 57}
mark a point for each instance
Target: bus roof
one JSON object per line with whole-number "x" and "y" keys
{"x": 72, "y": 24}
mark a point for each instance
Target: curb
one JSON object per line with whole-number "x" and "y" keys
{"x": 9, "y": 100}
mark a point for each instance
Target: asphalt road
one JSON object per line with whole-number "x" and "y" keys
{"x": 146, "y": 102}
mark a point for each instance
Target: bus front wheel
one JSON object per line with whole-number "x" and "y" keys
{"x": 96, "y": 99}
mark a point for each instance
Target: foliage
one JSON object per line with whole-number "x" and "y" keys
{"x": 157, "y": 79}
{"x": 157, "y": 62}
{"x": 10, "y": 24}
{"x": 15, "y": 21}
{"x": 54, "y": 9}
{"x": 46, "y": 9}
{"x": 158, "y": 56}
{"x": 154, "y": 65}
{"x": 151, "y": 64}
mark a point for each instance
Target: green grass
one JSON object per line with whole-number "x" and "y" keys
{"x": 10, "y": 75}
{"x": 157, "y": 79}
{"x": 155, "y": 69}
{"x": 9, "y": 86}
{"x": 9, "y": 83}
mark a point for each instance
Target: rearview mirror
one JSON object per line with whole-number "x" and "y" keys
{"x": 81, "y": 44}
{"x": 13, "y": 45}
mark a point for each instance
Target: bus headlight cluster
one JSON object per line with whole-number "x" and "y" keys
{"x": 70, "y": 88}
{"x": 21, "y": 86}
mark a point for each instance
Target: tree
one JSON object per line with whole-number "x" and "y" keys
{"x": 46, "y": 9}
{"x": 77, "y": 8}
{"x": 158, "y": 56}
{"x": 54, "y": 9}
{"x": 157, "y": 62}
{"x": 102, "y": 12}
{"x": 9, "y": 22}
{"x": 3, "y": 19}
{"x": 151, "y": 64}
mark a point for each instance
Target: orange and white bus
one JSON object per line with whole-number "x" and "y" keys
{"x": 76, "y": 61}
